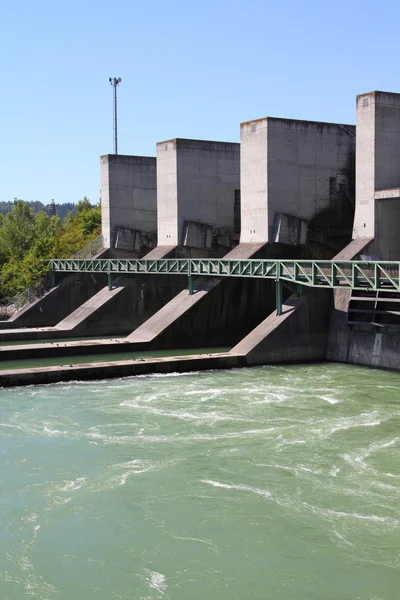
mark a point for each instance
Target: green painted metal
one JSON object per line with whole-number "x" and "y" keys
{"x": 190, "y": 285}
{"x": 109, "y": 279}
{"x": 356, "y": 275}
{"x": 279, "y": 297}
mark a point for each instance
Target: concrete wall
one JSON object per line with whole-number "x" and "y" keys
{"x": 299, "y": 334}
{"x": 70, "y": 292}
{"x": 196, "y": 182}
{"x": 222, "y": 317}
{"x": 141, "y": 297}
{"x": 128, "y": 195}
{"x": 378, "y": 168}
{"x": 286, "y": 167}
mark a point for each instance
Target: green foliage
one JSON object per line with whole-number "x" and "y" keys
{"x": 17, "y": 232}
{"x": 91, "y": 221}
{"x": 83, "y": 205}
{"x": 61, "y": 209}
{"x": 28, "y": 240}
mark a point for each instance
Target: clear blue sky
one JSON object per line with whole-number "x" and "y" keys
{"x": 188, "y": 69}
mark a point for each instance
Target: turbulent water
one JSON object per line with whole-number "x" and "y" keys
{"x": 273, "y": 482}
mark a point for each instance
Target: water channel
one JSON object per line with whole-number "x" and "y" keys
{"x": 271, "y": 482}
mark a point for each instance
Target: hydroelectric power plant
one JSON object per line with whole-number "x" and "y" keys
{"x": 279, "y": 249}
{"x": 153, "y": 467}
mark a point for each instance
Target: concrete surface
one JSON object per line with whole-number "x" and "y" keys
{"x": 299, "y": 334}
{"x": 169, "y": 314}
{"x": 377, "y": 212}
{"x": 294, "y": 168}
{"x": 196, "y": 183}
{"x": 104, "y": 370}
{"x": 128, "y": 201}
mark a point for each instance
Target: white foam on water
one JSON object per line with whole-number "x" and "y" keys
{"x": 156, "y": 581}
{"x": 211, "y": 392}
{"x": 74, "y": 484}
{"x": 331, "y": 399}
{"x": 334, "y": 471}
{"x": 239, "y": 487}
{"x": 344, "y": 427}
{"x": 165, "y": 375}
{"x": 357, "y": 459}
{"x": 327, "y": 512}
{"x": 210, "y": 417}
{"x": 342, "y": 538}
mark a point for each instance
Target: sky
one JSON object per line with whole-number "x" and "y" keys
{"x": 189, "y": 69}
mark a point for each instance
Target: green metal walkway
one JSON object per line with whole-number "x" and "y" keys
{"x": 355, "y": 275}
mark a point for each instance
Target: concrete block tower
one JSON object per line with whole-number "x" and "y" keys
{"x": 377, "y": 212}
{"x": 197, "y": 185}
{"x": 292, "y": 171}
{"x": 128, "y": 203}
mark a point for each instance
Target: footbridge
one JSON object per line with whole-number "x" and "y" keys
{"x": 355, "y": 275}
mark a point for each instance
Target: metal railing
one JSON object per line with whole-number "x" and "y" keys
{"x": 40, "y": 288}
{"x": 34, "y": 292}
{"x": 362, "y": 275}
{"x": 90, "y": 249}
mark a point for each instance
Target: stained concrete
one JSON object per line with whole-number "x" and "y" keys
{"x": 295, "y": 168}
{"x": 300, "y": 333}
{"x": 128, "y": 201}
{"x": 167, "y": 318}
{"x": 339, "y": 330}
{"x": 377, "y": 212}
{"x": 196, "y": 183}
{"x": 125, "y": 368}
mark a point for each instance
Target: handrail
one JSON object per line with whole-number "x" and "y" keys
{"x": 364, "y": 275}
{"x": 41, "y": 287}
{"x": 90, "y": 249}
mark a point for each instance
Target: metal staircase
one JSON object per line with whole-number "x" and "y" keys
{"x": 377, "y": 310}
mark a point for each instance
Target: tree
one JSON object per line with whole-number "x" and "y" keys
{"x": 17, "y": 232}
{"x": 27, "y": 241}
{"x": 83, "y": 205}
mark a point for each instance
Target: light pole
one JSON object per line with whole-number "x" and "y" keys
{"x": 114, "y": 83}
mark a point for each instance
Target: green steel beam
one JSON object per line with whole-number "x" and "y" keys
{"x": 279, "y": 297}
{"x": 356, "y": 275}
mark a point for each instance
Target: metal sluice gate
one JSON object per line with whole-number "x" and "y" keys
{"x": 355, "y": 275}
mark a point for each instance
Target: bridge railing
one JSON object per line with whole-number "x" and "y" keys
{"x": 41, "y": 287}
{"x": 314, "y": 273}
{"x": 90, "y": 249}
{"x": 34, "y": 292}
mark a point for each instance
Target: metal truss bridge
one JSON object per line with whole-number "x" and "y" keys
{"x": 354, "y": 275}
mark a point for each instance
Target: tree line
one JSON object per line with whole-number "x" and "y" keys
{"x": 62, "y": 210}
{"x": 28, "y": 239}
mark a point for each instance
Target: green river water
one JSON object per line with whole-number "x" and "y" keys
{"x": 272, "y": 482}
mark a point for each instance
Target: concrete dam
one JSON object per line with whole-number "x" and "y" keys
{"x": 280, "y": 249}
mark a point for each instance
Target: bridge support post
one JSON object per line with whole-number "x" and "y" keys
{"x": 299, "y": 289}
{"x": 190, "y": 285}
{"x": 52, "y": 278}
{"x": 190, "y": 278}
{"x": 109, "y": 276}
{"x": 278, "y": 297}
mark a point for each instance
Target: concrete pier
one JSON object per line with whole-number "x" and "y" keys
{"x": 197, "y": 183}
{"x": 128, "y": 203}
{"x": 291, "y": 173}
{"x": 377, "y": 212}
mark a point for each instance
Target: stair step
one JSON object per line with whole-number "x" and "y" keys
{"x": 368, "y": 323}
{"x": 372, "y": 310}
{"x": 369, "y": 299}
